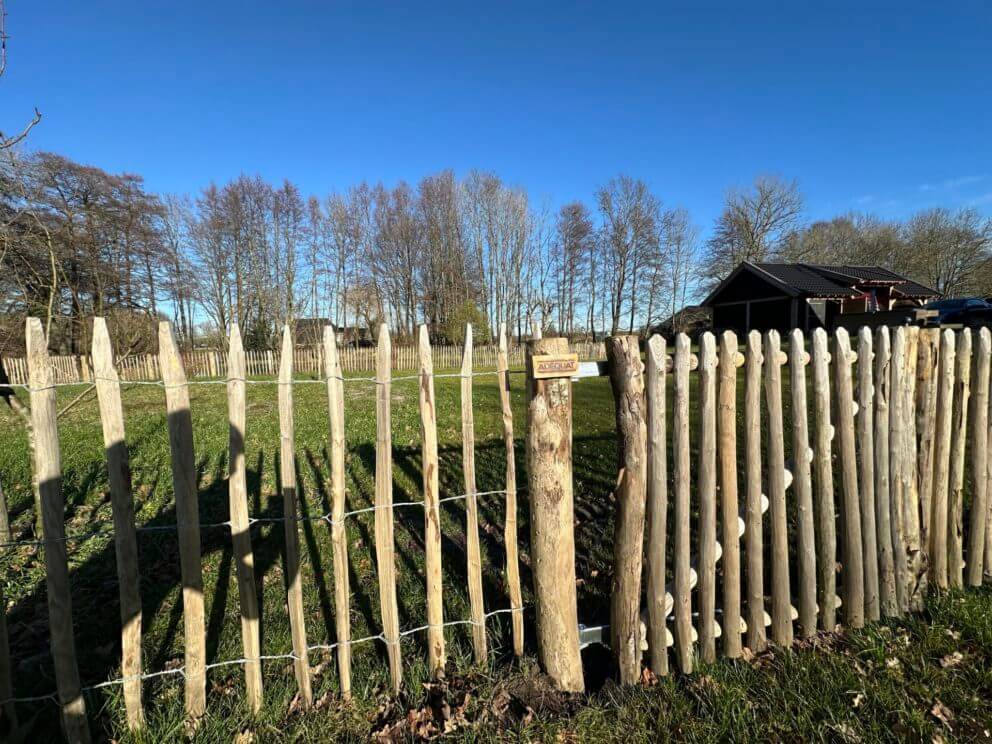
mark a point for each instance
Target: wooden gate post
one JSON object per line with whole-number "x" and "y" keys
{"x": 552, "y": 535}
{"x": 627, "y": 380}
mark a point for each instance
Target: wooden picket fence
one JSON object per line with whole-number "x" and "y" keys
{"x": 265, "y": 362}
{"x": 891, "y": 424}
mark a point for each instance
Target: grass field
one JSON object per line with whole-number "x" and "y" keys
{"x": 915, "y": 679}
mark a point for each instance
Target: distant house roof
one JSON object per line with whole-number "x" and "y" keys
{"x": 825, "y": 282}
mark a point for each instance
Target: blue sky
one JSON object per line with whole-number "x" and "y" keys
{"x": 885, "y": 107}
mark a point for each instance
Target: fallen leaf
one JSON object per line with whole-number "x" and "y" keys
{"x": 952, "y": 660}
{"x": 943, "y": 714}
{"x": 859, "y": 699}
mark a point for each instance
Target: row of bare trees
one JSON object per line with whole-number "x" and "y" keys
{"x": 77, "y": 241}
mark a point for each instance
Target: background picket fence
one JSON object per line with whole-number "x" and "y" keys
{"x": 888, "y": 437}
{"x": 265, "y": 363}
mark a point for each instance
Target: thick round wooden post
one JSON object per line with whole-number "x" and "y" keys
{"x": 942, "y": 459}
{"x": 802, "y": 484}
{"x": 979, "y": 457}
{"x": 781, "y": 606}
{"x": 822, "y": 458}
{"x": 627, "y": 380}
{"x": 682, "y": 596}
{"x": 657, "y": 506}
{"x": 753, "y": 535}
{"x": 866, "y": 471}
{"x": 897, "y": 483}
{"x": 706, "y": 485}
{"x": 915, "y": 545}
{"x": 552, "y": 518}
{"x": 727, "y": 453}
{"x": 853, "y": 555}
{"x": 959, "y": 434}
{"x": 883, "y": 509}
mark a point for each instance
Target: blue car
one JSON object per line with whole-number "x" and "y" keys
{"x": 967, "y": 311}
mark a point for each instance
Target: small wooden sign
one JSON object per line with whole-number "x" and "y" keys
{"x": 555, "y": 365}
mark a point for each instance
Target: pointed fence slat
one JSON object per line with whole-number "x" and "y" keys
{"x": 822, "y": 458}
{"x": 657, "y": 503}
{"x": 927, "y": 385}
{"x": 802, "y": 484}
{"x": 287, "y": 478}
{"x": 727, "y": 454}
{"x": 781, "y": 606}
{"x": 476, "y": 599}
{"x": 866, "y": 472}
{"x": 959, "y": 434}
{"x": 108, "y": 390}
{"x": 897, "y": 466}
{"x": 48, "y": 472}
{"x": 339, "y": 542}
{"x": 942, "y": 460}
{"x": 915, "y": 545}
{"x": 979, "y": 457}
{"x": 240, "y": 527}
{"x": 888, "y": 604}
{"x": 680, "y": 444}
{"x": 510, "y": 518}
{"x": 706, "y": 486}
{"x": 184, "y": 486}
{"x": 753, "y": 533}
{"x": 385, "y": 546}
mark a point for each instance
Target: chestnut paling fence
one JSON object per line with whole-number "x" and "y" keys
{"x": 886, "y": 439}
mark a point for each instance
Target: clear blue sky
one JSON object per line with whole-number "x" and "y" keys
{"x": 876, "y": 106}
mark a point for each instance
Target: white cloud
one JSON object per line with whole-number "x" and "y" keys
{"x": 952, "y": 183}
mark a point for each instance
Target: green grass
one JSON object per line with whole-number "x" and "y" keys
{"x": 879, "y": 683}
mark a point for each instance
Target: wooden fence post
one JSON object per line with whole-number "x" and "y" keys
{"x": 916, "y": 547}
{"x": 682, "y": 596}
{"x": 753, "y": 538}
{"x": 802, "y": 483}
{"x": 925, "y": 417}
{"x": 48, "y": 472}
{"x": 552, "y": 518}
{"x": 979, "y": 457}
{"x": 897, "y": 466}
{"x": 476, "y": 598}
{"x": 510, "y": 520}
{"x": 432, "y": 516}
{"x": 287, "y": 477}
{"x": 866, "y": 471}
{"x": 781, "y": 605}
{"x": 853, "y": 558}
{"x": 822, "y": 458}
{"x": 657, "y": 503}
{"x": 108, "y": 391}
{"x": 240, "y": 529}
{"x": 627, "y": 381}
{"x": 959, "y": 432}
{"x": 184, "y": 487}
{"x": 706, "y": 485}
{"x": 339, "y": 537}
{"x": 385, "y": 546}
{"x": 730, "y": 360}
{"x": 942, "y": 460}
{"x": 888, "y": 604}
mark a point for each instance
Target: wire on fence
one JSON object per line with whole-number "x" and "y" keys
{"x": 181, "y": 671}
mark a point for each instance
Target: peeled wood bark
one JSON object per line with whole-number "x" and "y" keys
{"x": 915, "y": 546}
{"x": 727, "y": 452}
{"x": 108, "y": 390}
{"x": 476, "y": 599}
{"x": 510, "y": 520}
{"x": 781, "y": 604}
{"x": 339, "y": 537}
{"x": 802, "y": 485}
{"x": 384, "y": 540}
{"x": 888, "y": 604}
{"x": 853, "y": 566}
{"x": 706, "y": 485}
{"x": 866, "y": 472}
{"x": 822, "y": 458}
{"x": 657, "y": 503}
{"x": 552, "y": 519}
{"x": 48, "y": 471}
{"x": 942, "y": 459}
{"x": 682, "y": 596}
{"x": 927, "y": 369}
{"x": 959, "y": 434}
{"x": 627, "y": 381}
{"x": 184, "y": 487}
{"x": 979, "y": 458}
{"x": 753, "y": 539}
{"x": 287, "y": 477}
{"x": 897, "y": 466}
